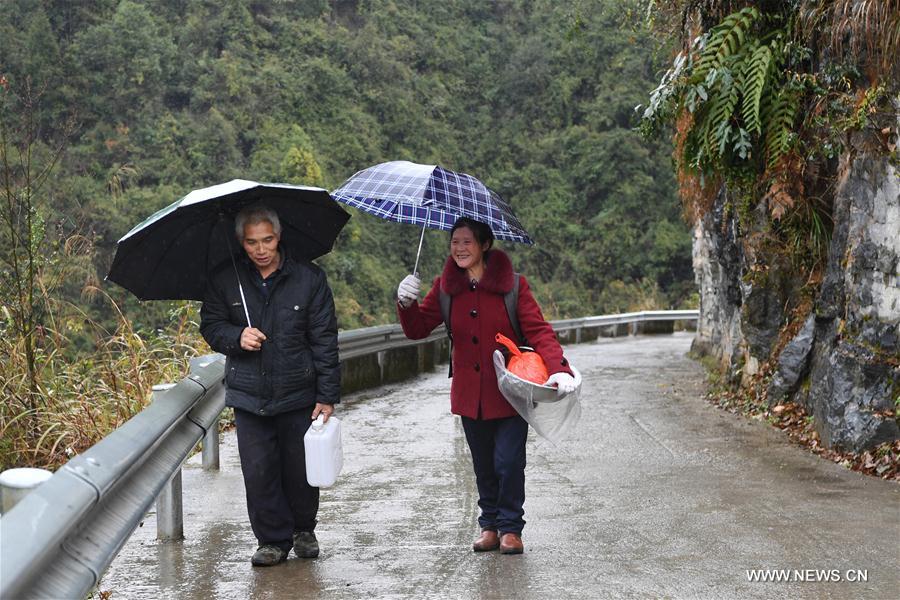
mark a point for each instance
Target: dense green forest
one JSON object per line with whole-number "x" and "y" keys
{"x": 133, "y": 104}
{"x": 535, "y": 98}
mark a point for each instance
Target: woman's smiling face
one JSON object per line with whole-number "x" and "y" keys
{"x": 465, "y": 249}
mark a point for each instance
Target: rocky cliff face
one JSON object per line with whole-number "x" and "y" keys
{"x": 718, "y": 259}
{"x": 843, "y": 362}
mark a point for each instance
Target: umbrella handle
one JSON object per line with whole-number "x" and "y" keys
{"x": 419, "y": 252}
{"x": 234, "y": 265}
{"x": 244, "y": 302}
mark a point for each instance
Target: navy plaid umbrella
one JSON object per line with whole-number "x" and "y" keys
{"x": 430, "y": 196}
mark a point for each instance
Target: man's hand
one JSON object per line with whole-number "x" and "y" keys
{"x": 252, "y": 339}
{"x": 324, "y": 409}
{"x": 564, "y": 382}
{"x": 408, "y": 291}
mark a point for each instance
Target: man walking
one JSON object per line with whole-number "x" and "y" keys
{"x": 281, "y": 373}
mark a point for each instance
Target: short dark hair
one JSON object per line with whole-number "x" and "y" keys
{"x": 481, "y": 231}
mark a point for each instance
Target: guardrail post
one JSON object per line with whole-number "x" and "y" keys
{"x": 421, "y": 354}
{"x": 210, "y": 447}
{"x": 381, "y": 356}
{"x": 15, "y": 484}
{"x": 169, "y": 511}
{"x": 578, "y": 335}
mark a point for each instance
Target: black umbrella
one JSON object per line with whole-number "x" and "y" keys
{"x": 170, "y": 255}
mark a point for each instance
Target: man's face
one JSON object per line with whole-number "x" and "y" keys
{"x": 261, "y": 244}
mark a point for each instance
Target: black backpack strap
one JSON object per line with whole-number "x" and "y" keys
{"x": 511, "y": 299}
{"x": 446, "y": 299}
{"x": 445, "y": 311}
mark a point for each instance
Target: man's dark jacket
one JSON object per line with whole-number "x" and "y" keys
{"x": 298, "y": 364}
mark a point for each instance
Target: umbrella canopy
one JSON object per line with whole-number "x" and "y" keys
{"x": 169, "y": 255}
{"x": 429, "y": 196}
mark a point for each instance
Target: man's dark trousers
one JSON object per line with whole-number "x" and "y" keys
{"x": 279, "y": 499}
{"x": 498, "y": 456}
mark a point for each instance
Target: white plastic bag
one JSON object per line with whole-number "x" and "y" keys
{"x": 552, "y": 416}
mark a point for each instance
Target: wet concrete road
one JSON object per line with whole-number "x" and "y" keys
{"x": 660, "y": 496}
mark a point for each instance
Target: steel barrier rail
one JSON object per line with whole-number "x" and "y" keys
{"x": 58, "y": 541}
{"x": 619, "y": 319}
{"x": 360, "y": 342}
{"x": 369, "y": 340}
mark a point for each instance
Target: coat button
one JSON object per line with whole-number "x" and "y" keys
{"x": 472, "y": 286}
{"x": 563, "y": 362}
{"x": 473, "y": 313}
{"x": 477, "y": 368}
{"x": 474, "y": 339}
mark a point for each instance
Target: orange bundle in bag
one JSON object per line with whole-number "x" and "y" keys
{"x": 526, "y": 365}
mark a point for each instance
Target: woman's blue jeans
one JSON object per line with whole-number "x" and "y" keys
{"x": 498, "y": 455}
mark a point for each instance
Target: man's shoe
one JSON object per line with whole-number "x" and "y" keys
{"x": 305, "y": 544}
{"x": 489, "y": 540}
{"x": 268, "y": 555}
{"x": 511, "y": 543}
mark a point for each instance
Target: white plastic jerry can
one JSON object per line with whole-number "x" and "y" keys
{"x": 324, "y": 457}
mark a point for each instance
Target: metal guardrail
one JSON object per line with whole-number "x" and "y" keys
{"x": 360, "y": 342}
{"x": 633, "y": 319}
{"x": 58, "y": 541}
{"x": 369, "y": 340}
{"x": 619, "y": 319}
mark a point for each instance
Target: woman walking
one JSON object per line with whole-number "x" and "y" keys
{"x": 477, "y": 278}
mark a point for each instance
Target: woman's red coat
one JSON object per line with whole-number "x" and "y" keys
{"x": 473, "y": 391}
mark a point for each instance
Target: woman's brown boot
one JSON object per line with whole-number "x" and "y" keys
{"x": 511, "y": 543}
{"x": 487, "y": 541}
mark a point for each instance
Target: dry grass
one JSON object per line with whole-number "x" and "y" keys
{"x": 864, "y": 31}
{"x": 81, "y": 399}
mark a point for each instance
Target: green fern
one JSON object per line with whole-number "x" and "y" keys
{"x": 726, "y": 39}
{"x": 756, "y": 76}
{"x": 779, "y": 115}
{"x": 742, "y": 118}
{"x": 717, "y": 120}
{"x": 722, "y": 136}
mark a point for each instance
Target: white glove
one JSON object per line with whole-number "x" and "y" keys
{"x": 564, "y": 382}
{"x": 408, "y": 291}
